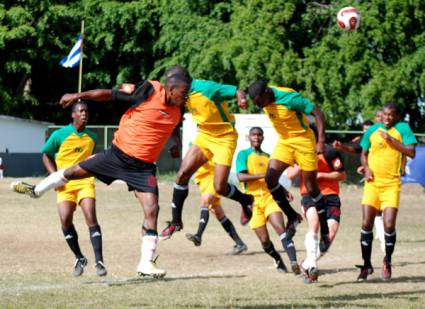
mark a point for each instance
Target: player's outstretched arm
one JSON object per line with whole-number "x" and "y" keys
{"x": 320, "y": 124}
{"x": 99, "y": 95}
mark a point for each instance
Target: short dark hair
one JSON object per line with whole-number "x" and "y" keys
{"x": 177, "y": 70}
{"x": 368, "y": 123}
{"x": 76, "y": 104}
{"x": 256, "y": 128}
{"x": 178, "y": 80}
{"x": 257, "y": 88}
{"x": 393, "y": 106}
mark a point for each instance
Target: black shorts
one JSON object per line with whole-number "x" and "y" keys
{"x": 113, "y": 164}
{"x": 333, "y": 206}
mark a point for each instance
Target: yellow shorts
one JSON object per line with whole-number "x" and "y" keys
{"x": 263, "y": 207}
{"x": 206, "y": 185}
{"x": 219, "y": 149}
{"x": 381, "y": 196}
{"x": 75, "y": 193}
{"x": 299, "y": 149}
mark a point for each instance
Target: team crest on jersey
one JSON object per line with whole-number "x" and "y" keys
{"x": 163, "y": 113}
{"x": 337, "y": 163}
{"x": 78, "y": 149}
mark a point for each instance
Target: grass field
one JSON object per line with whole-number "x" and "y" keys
{"x": 36, "y": 265}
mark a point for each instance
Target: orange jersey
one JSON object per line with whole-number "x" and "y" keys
{"x": 329, "y": 161}
{"x": 146, "y": 127}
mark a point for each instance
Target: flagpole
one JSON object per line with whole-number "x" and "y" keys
{"x": 80, "y": 73}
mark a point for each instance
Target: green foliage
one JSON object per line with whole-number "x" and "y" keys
{"x": 291, "y": 43}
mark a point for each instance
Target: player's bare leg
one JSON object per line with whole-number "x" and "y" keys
{"x": 88, "y": 206}
{"x": 268, "y": 247}
{"x": 390, "y": 217}
{"x": 274, "y": 170}
{"x": 147, "y": 265}
{"x": 192, "y": 161}
{"x": 278, "y": 224}
{"x": 222, "y": 187}
{"x": 366, "y": 240}
{"x": 66, "y": 212}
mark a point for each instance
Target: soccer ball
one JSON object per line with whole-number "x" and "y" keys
{"x": 348, "y": 18}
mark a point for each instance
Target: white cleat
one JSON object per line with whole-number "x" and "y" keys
{"x": 23, "y": 188}
{"x": 150, "y": 269}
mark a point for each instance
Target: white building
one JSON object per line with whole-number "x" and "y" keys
{"x": 19, "y": 135}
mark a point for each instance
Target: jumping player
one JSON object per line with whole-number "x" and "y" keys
{"x": 251, "y": 168}
{"x": 384, "y": 145}
{"x": 216, "y": 141}
{"x": 330, "y": 171}
{"x": 210, "y": 201}
{"x": 287, "y": 111}
{"x": 144, "y": 129}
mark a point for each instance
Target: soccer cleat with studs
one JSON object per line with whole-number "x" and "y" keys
{"x": 386, "y": 271}
{"x": 170, "y": 230}
{"x": 195, "y": 238}
{"x": 101, "y": 269}
{"x": 79, "y": 265}
{"x": 23, "y": 188}
{"x": 310, "y": 275}
{"x": 295, "y": 268}
{"x": 151, "y": 270}
{"x": 280, "y": 266}
{"x": 365, "y": 271}
{"x": 238, "y": 249}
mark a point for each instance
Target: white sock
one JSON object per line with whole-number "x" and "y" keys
{"x": 55, "y": 180}
{"x": 148, "y": 249}
{"x": 380, "y": 232}
{"x": 311, "y": 243}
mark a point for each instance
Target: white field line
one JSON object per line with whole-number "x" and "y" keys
{"x": 140, "y": 280}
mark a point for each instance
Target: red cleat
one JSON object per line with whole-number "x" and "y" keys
{"x": 170, "y": 229}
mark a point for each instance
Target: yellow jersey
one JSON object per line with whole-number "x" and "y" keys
{"x": 384, "y": 160}
{"x": 288, "y": 113}
{"x": 208, "y": 106}
{"x": 253, "y": 162}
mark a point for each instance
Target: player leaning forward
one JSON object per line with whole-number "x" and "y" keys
{"x": 144, "y": 128}
{"x": 287, "y": 110}
{"x": 383, "y": 146}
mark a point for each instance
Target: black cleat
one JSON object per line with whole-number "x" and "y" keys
{"x": 79, "y": 266}
{"x": 195, "y": 238}
{"x": 101, "y": 269}
{"x": 280, "y": 266}
{"x": 364, "y": 272}
{"x": 238, "y": 249}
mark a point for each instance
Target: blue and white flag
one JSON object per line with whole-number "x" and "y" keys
{"x": 73, "y": 59}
